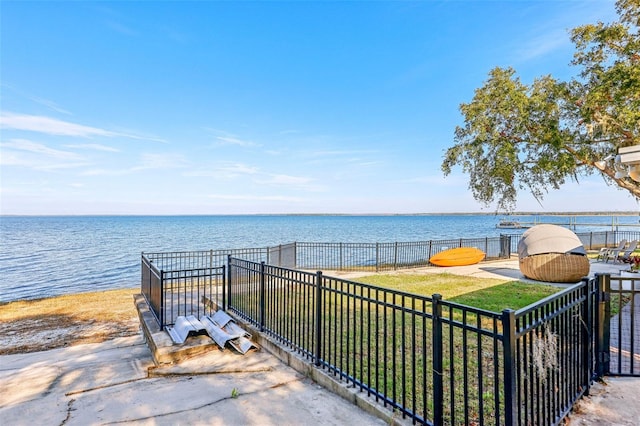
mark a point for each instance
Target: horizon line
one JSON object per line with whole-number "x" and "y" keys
{"x": 518, "y": 213}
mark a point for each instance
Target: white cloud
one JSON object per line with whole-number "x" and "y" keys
{"x": 453, "y": 179}
{"x": 225, "y": 171}
{"x": 364, "y": 158}
{"x": 161, "y": 161}
{"x": 148, "y": 161}
{"x": 93, "y": 146}
{"x": 286, "y": 180}
{"x": 552, "y": 34}
{"x": 45, "y": 102}
{"x": 106, "y": 172}
{"x": 240, "y": 168}
{"x": 362, "y": 163}
{"x": 542, "y": 45}
{"x": 53, "y": 126}
{"x": 227, "y": 140}
{"x": 38, "y": 148}
{"x": 24, "y": 153}
{"x": 61, "y": 166}
{"x": 50, "y": 104}
{"x": 339, "y": 153}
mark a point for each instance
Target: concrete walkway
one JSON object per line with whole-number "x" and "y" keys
{"x": 108, "y": 383}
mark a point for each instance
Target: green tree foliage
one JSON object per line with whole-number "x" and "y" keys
{"x": 536, "y": 137}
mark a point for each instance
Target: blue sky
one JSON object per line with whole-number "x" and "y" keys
{"x": 142, "y": 107}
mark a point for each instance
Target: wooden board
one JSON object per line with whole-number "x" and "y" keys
{"x": 458, "y": 257}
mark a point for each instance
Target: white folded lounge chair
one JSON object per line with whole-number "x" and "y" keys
{"x": 625, "y": 255}
{"x": 606, "y": 251}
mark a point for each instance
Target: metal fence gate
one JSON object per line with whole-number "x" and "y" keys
{"x": 619, "y": 335}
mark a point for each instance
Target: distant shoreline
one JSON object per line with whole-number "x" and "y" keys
{"x": 523, "y": 213}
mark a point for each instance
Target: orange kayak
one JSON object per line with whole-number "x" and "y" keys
{"x": 458, "y": 257}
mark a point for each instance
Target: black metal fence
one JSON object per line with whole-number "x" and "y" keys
{"x": 590, "y": 240}
{"x": 340, "y": 256}
{"x": 378, "y": 256}
{"x": 619, "y": 334}
{"x": 183, "y": 260}
{"x": 431, "y": 360}
{"x": 170, "y": 294}
{"x": 180, "y": 287}
{"x": 597, "y": 240}
{"x": 175, "y": 283}
{"x": 553, "y": 354}
{"x": 170, "y": 279}
{"x": 398, "y": 255}
{"x": 167, "y": 302}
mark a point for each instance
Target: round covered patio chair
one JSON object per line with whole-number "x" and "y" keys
{"x": 552, "y": 253}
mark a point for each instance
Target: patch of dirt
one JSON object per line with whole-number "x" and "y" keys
{"x": 57, "y": 331}
{"x": 55, "y": 322}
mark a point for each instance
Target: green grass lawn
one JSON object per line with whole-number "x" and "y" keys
{"x": 385, "y": 340}
{"x": 468, "y": 355}
{"x": 485, "y": 293}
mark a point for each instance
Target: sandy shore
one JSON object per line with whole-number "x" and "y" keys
{"x": 38, "y": 325}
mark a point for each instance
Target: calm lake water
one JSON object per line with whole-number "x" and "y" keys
{"x": 53, "y": 255}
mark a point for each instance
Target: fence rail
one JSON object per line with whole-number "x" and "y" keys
{"x": 590, "y": 240}
{"x": 183, "y": 260}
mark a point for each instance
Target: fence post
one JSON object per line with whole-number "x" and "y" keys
{"x": 262, "y": 296}
{"x": 377, "y": 256}
{"x": 224, "y": 283}
{"x": 142, "y": 287}
{"x": 505, "y": 246}
{"x": 395, "y": 256}
{"x": 587, "y": 333}
{"x": 438, "y": 388}
{"x": 510, "y": 366}
{"x": 142, "y": 284}
{"x": 604, "y": 323}
{"x": 318, "y": 318}
{"x": 161, "y": 299}
{"x": 227, "y": 294}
